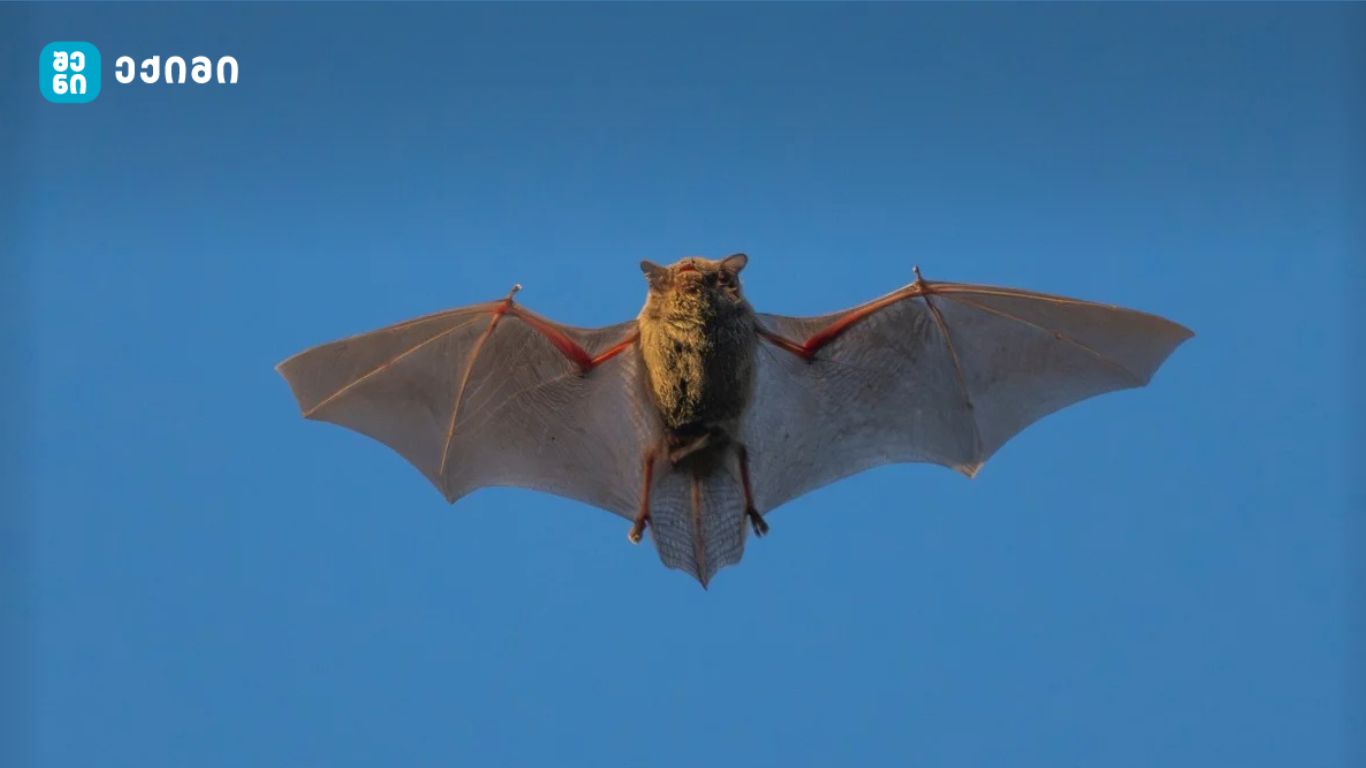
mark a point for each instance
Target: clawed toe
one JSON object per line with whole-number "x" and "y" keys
{"x": 756, "y": 522}
{"x": 637, "y": 531}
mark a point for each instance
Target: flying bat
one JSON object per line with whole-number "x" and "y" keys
{"x": 701, "y": 416}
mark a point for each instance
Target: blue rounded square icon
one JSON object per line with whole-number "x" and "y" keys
{"x": 69, "y": 72}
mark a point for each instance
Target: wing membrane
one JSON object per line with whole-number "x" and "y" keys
{"x": 936, "y": 372}
{"x": 477, "y": 397}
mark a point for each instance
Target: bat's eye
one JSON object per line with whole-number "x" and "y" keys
{"x": 723, "y": 278}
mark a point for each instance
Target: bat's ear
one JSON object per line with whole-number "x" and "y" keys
{"x": 735, "y": 262}
{"x": 654, "y": 273}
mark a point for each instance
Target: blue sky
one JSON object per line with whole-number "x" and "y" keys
{"x": 195, "y": 576}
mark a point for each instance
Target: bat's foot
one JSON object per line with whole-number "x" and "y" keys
{"x": 637, "y": 531}
{"x": 756, "y": 521}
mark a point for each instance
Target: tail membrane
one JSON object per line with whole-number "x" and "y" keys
{"x": 697, "y": 513}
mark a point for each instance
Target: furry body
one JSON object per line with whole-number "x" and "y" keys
{"x": 697, "y": 338}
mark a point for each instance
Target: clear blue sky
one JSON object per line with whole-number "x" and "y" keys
{"x": 196, "y": 576}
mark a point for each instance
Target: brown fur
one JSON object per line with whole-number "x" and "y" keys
{"x": 697, "y": 337}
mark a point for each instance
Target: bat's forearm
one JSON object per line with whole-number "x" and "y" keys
{"x": 613, "y": 351}
{"x": 570, "y": 348}
{"x": 798, "y": 348}
{"x": 807, "y": 349}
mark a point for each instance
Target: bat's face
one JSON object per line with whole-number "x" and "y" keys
{"x": 695, "y": 280}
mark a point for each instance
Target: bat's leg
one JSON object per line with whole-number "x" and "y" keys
{"x": 756, "y": 520}
{"x": 643, "y": 516}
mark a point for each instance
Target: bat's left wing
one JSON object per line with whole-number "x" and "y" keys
{"x": 935, "y": 372}
{"x": 492, "y": 394}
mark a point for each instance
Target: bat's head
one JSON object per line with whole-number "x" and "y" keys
{"x": 695, "y": 280}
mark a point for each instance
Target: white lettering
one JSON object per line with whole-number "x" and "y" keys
{"x": 151, "y": 69}
{"x": 173, "y": 63}
{"x": 227, "y": 61}
{"x": 202, "y": 69}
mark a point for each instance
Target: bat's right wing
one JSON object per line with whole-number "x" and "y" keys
{"x": 489, "y": 395}
{"x": 935, "y": 372}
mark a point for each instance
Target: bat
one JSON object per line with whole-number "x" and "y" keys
{"x": 701, "y": 416}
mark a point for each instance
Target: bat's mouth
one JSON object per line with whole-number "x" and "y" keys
{"x": 689, "y": 278}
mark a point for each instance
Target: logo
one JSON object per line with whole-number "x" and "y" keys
{"x": 69, "y": 72}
